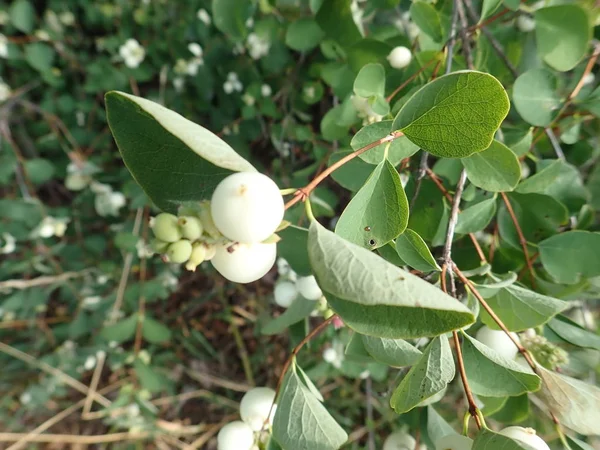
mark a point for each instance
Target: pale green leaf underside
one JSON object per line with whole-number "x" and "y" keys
{"x": 429, "y": 376}
{"x": 455, "y": 115}
{"x": 173, "y": 159}
{"x": 492, "y": 375}
{"x": 377, "y": 298}
{"x": 496, "y": 169}
{"x": 393, "y": 352}
{"x": 575, "y": 403}
{"x": 370, "y": 81}
{"x": 540, "y": 180}
{"x": 301, "y": 422}
{"x": 571, "y": 255}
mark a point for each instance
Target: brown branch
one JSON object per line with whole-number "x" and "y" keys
{"x": 463, "y": 376}
{"x": 522, "y": 239}
{"x": 303, "y": 193}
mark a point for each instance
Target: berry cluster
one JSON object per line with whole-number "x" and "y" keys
{"x": 234, "y": 231}
{"x": 254, "y": 410}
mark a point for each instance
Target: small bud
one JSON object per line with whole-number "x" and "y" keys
{"x": 207, "y": 221}
{"x": 180, "y": 251}
{"x": 197, "y": 257}
{"x": 191, "y": 227}
{"x": 166, "y": 228}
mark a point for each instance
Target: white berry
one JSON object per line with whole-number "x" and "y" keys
{"x": 256, "y": 405}
{"x": 247, "y": 207}
{"x": 498, "y": 341}
{"x": 399, "y": 57}
{"x": 399, "y": 440}
{"x": 285, "y": 293}
{"x": 244, "y": 263}
{"x": 454, "y": 442}
{"x": 525, "y": 23}
{"x": 525, "y": 435}
{"x": 236, "y": 435}
{"x": 308, "y": 288}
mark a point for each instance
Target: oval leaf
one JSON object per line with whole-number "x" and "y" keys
{"x": 172, "y": 159}
{"x": 377, "y": 298}
{"x": 455, "y": 115}
{"x": 427, "y": 19}
{"x": 414, "y": 251}
{"x": 535, "y": 98}
{"x": 378, "y": 212}
{"x": 370, "y": 81}
{"x": 571, "y": 255}
{"x": 477, "y": 217}
{"x": 393, "y": 352}
{"x": 496, "y": 169}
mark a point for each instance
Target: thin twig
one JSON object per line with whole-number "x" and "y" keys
{"x": 463, "y": 376}
{"x": 555, "y": 144}
{"x": 40, "y": 281}
{"x": 75, "y": 438}
{"x": 522, "y": 239}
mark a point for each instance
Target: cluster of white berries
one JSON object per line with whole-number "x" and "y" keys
{"x": 364, "y": 110}
{"x": 290, "y": 286}
{"x": 232, "y": 84}
{"x": 190, "y": 66}
{"x": 79, "y": 175}
{"x": 399, "y": 57}
{"x": 108, "y": 202}
{"x": 257, "y": 46}
{"x": 132, "y": 53}
{"x": 527, "y": 436}
{"x": 232, "y": 230}
{"x": 51, "y": 226}
{"x": 254, "y": 411}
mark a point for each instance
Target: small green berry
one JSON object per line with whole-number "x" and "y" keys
{"x": 207, "y": 221}
{"x": 197, "y": 257}
{"x": 159, "y": 246}
{"x": 180, "y": 251}
{"x": 165, "y": 228}
{"x": 191, "y": 227}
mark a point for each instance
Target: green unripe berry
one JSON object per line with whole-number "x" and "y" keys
{"x": 159, "y": 246}
{"x": 166, "y": 228}
{"x": 191, "y": 227}
{"x": 197, "y": 257}
{"x": 207, "y": 221}
{"x": 180, "y": 251}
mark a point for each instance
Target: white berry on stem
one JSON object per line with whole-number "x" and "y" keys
{"x": 498, "y": 341}
{"x": 308, "y": 288}
{"x": 525, "y": 435}
{"x": 256, "y": 405}
{"x": 285, "y": 293}
{"x": 247, "y": 207}
{"x": 244, "y": 263}
{"x": 235, "y": 435}
{"x": 400, "y": 57}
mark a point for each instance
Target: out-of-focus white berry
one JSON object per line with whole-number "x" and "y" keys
{"x": 399, "y": 440}
{"x": 525, "y": 435}
{"x": 525, "y": 23}
{"x": 588, "y": 79}
{"x": 204, "y": 16}
{"x": 308, "y": 288}
{"x": 285, "y": 293}
{"x": 236, "y": 435}
{"x": 400, "y": 57}
{"x": 256, "y": 405}
{"x": 244, "y": 263}
{"x": 498, "y": 341}
{"x": 265, "y": 90}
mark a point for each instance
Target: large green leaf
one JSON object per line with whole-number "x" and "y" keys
{"x": 292, "y": 248}
{"x": 335, "y": 18}
{"x": 426, "y": 378}
{"x": 493, "y": 375}
{"x": 495, "y": 169}
{"x": 414, "y": 251}
{"x": 427, "y": 19}
{"x": 427, "y": 212}
{"x": 370, "y": 81}
{"x": 393, "y": 352}
{"x": 541, "y": 179}
{"x": 575, "y": 403}
{"x": 397, "y": 150}
{"x": 154, "y": 331}
{"x": 535, "y": 97}
{"x": 476, "y": 217}
{"x": 22, "y": 15}
{"x": 352, "y": 175}
{"x": 563, "y": 33}
{"x": 377, "y": 298}
{"x": 571, "y": 255}
{"x": 573, "y": 333}
{"x": 172, "y": 159}
{"x": 455, "y": 115}
{"x": 304, "y": 34}
{"x": 378, "y": 212}
{"x": 520, "y": 308}
{"x": 567, "y": 187}
{"x": 301, "y": 422}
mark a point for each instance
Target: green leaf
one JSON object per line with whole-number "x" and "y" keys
{"x": 39, "y": 170}
{"x": 540, "y": 180}
{"x": 427, "y": 212}
{"x": 302, "y": 422}
{"x": 437, "y": 427}
{"x": 304, "y": 34}
{"x": 356, "y": 350}
{"x": 568, "y": 187}
{"x": 40, "y": 56}
{"x": 496, "y": 169}
{"x": 22, "y": 15}
{"x": 426, "y": 378}
{"x": 332, "y": 127}
{"x": 415, "y": 252}
{"x": 427, "y": 19}
{"x": 455, "y": 115}
{"x": 398, "y": 149}
{"x": 488, "y": 440}
{"x": 489, "y": 7}
{"x": 571, "y": 255}
{"x": 562, "y": 33}
{"x": 492, "y": 405}
{"x": 393, "y": 352}
{"x": 230, "y": 17}
{"x": 149, "y": 378}
{"x": 292, "y": 248}
{"x": 520, "y": 308}
{"x": 376, "y": 298}
{"x": 378, "y": 212}
{"x": 477, "y": 217}
{"x": 370, "y": 81}
{"x": 172, "y": 159}
{"x": 352, "y": 175}
{"x": 121, "y": 331}
{"x": 575, "y": 403}
{"x": 493, "y": 375}
{"x": 335, "y": 18}
{"x": 298, "y": 310}
{"x": 535, "y": 97}
{"x": 574, "y": 334}
{"x": 154, "y": 331}
{"x": 308, "y": 383}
